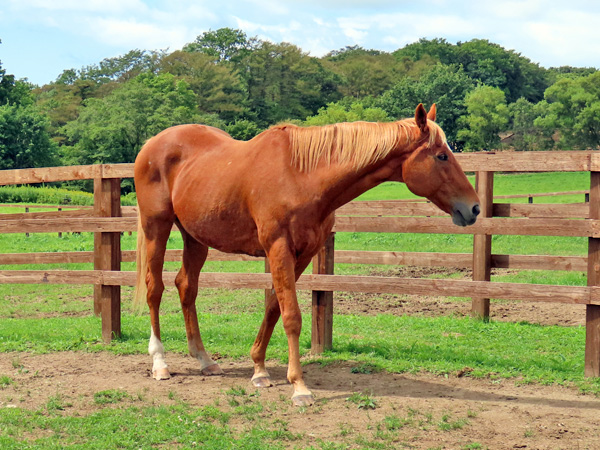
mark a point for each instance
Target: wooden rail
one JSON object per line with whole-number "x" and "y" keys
{"x": 107, "y": 219}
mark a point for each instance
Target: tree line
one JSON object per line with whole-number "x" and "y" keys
{"x": 488, "y": 97}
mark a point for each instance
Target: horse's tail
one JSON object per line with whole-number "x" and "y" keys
{"x": 139, "y": 296}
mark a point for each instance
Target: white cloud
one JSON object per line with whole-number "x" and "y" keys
{"x": 402, "y": 28}
{"x": 568, "y": 36}
{"x": 134, "y": 34}
{"x": 516, "y": 10}
{"x": 97, "y": 6}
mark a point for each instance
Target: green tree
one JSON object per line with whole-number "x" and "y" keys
{"x": 487, "y": 115}
{"x": 62, "y": 102}
{"x": 485, "y": 62}
{"x": 285, "y": 83}
{"x": 114, "y": 128}
{"x": 24, "y": 140}
{"x": 121, "y": 68}
{"x": 218, "y": 88}
{"x": 363, "y": 72}
{"x": 224, "y": 45}
{"x": 242, "y": 129}
{"x": 526, "y": 135}
{"x": 438, "y": 48}
{"x": 495, "y": 66}
{"x": 338, "y": 112}
{"x": 444, "y": 85}
{"x": 572, "y": 108}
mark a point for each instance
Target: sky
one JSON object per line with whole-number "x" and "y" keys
{"x": 41, "y": 38}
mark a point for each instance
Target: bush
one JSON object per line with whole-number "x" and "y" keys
{"x": 44, "y": 195}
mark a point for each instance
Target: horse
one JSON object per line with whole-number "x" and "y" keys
{"x": 274, "y": 196}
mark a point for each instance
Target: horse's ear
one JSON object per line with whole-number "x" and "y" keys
{"x": 421, "y": 117}
{"x": 431, "y": 113}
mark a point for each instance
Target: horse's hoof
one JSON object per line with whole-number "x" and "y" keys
{"x": 262, "y": 382}
{"x": 303, "y": 400}
{"x": 161, "y": 374}
{"x": 213, "y": 369}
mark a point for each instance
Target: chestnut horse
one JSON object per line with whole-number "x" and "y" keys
{"x": 274, "y": 196}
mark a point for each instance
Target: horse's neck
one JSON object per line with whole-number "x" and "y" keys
{"x": 344, "y": 184}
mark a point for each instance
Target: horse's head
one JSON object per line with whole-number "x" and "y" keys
{"x": 432, "y": 171}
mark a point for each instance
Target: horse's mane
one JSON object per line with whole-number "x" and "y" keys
{"x": 355, "y": 143}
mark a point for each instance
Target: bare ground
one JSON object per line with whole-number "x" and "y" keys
{"x": 373, "y": 304}
{"x": 454, "y": 412}
{"x": 495, "y": 415}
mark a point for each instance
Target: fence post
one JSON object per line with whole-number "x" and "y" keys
{"x": 59, "y": 233}
{"x": 322, "y": 301}
{"x": 482, "y": 243}
{"x": 107, "y": 256}
{"x": 592, "y": 317}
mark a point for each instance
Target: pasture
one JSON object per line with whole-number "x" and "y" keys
{"x": 404, "y": 372}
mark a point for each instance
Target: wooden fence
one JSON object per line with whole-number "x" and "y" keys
{"x": 107, "y": 220}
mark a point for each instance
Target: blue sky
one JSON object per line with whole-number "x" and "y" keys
{"x": 41, "y": 38}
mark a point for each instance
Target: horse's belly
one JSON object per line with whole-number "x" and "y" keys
{"x": 226, "y": 235}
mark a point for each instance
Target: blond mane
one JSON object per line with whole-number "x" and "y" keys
{"x": 357, "y": 144}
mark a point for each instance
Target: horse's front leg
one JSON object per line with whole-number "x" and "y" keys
{"x": 282, "y": 264}
{"x": 261, "y": 377}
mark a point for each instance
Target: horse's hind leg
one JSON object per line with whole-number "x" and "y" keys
{"x": 194, "y": 255}
{"x": 157, "y": 233}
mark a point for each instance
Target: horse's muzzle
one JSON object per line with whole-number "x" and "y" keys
{"x": 464, "y": 214}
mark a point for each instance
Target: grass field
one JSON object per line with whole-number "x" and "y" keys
{"x": 45, "y": 318}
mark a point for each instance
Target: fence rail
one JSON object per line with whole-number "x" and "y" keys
{"x": 107, "y": 220}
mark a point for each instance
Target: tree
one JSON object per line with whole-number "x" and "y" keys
{"x": 242, "y": 129}
{"x": 24, "y": 140}
{"x": 121, "y": 68}
{"x": 224, "y": 45}
{"x": 338, "y": 112}
{"x": 285, "y": 83}
{"x": 572, "y": 108}
{"x": 62, "y": 102}
{"x": 487, "y": 115}
{"x": 526, "y": 135}
{"x": 485, "y": 62}
{"x": 114, "y": 128}
{"x": 218, "y": 89}
{"x": 444, "y": 85}
{"x": 364, "y": 72}
{"x": 438, "y": 48}
{"x": 495, "y": 66}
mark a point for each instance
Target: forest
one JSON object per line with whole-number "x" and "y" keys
{"x": 488, "y": 97}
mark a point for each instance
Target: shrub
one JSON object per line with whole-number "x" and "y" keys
{"x": 52, "y": 196}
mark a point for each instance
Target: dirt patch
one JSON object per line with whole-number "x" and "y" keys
{"x": 432, "y": 412}
{"x": 414, "y": 305}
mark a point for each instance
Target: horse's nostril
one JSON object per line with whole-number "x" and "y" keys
{"x": 476, "y": 209}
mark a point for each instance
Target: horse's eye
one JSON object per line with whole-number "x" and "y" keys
{"x": 442, "y": 157}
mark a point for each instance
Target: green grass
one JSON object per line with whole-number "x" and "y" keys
{"x": 178, "y": 426}
{"x": 442, "y": 345}
{"x": 506, "y": 184}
